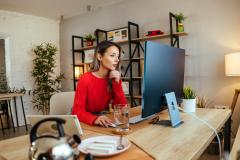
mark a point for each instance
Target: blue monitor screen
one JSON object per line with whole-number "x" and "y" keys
{"x": 163, "y": 73}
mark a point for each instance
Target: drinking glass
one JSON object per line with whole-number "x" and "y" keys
{"x": 121, "y": 117}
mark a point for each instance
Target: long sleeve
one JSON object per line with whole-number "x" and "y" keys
{"x": 118, "y": 94}
{"x": 79, "y": 107}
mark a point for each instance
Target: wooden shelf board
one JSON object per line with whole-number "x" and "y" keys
{"x": 134, "y": 59}
{"x": 137, "y": 97}
{"x": 137, "y": 39}
{"x": 80, "y": 64}
{"x": 84, "y": 48}
{"x": 128, "y": 78}
{"x": 139, "y": 58}
{"x": 158, "y": 37}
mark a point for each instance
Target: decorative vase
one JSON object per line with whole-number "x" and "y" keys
{"x": 189, "y": 105}
{"x": 180, "y": 27}
{"x": 89, "y": 43}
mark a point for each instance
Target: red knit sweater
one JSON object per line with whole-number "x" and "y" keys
{"x": 92, "y": 95}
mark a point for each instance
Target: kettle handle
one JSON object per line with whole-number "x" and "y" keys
{"x": 59, "y": 122}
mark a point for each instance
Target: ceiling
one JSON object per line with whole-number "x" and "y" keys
{"x": 54, "y": 9}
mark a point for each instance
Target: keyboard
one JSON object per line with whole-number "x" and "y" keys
{"x": 138, "y": 118}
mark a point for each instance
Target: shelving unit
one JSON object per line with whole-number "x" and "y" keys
{"x": 134, "y": 54}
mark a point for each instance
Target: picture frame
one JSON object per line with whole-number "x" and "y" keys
{"x": 118, "y": 35}
{"x": 125, "y": 87}
{"x": 89, "y": 54}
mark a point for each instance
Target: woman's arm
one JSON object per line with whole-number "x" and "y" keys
{"x": 118, "y": 94}
{"x": 79, "y": 106}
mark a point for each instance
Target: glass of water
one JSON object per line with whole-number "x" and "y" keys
{"x": 121, "y": 117}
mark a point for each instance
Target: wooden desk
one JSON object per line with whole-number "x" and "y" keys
{"x": 165, "y": 143}
{"x": 17, "y": 148}
{"x": 8, "y": 97}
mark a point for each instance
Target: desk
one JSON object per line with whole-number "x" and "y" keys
{"x": 185, "y": 142}
{"x": 8, "y": 97}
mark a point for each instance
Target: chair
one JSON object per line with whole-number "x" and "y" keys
{"x": 4, "y": 112}
{"x": 1, "y": 113}
{"x": 61, "y": 103}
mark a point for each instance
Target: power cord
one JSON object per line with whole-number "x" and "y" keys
{"x": 196, "y": 117}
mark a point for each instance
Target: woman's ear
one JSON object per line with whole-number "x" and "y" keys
{"x": 99, "y": 56}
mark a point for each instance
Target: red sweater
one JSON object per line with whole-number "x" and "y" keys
{"x": 92, "y": 95}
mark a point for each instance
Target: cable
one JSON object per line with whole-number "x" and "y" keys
{"x": 196, "y": 117}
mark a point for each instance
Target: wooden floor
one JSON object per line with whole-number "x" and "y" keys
{"x": 19, "y": 131}
{"x": 22, "y": 131}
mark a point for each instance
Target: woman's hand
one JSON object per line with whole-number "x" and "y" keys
{"x": 115, "y": 75}
{"x": 103, "y": 121}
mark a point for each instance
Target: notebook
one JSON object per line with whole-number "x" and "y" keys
{"x": 72, "y": 125}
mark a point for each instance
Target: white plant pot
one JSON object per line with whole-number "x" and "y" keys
{"x": 189, "y": 105}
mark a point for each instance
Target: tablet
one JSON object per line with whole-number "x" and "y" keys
{"x": 72, "y": 125}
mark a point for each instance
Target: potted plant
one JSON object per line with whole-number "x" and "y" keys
{"x": 180, "y": 18}
{"x": 189, "y": 100}
{"x": 45, "y": 82}
{"x": 89, "y": 38}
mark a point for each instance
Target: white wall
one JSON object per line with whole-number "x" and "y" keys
{"x": 213, "y": 27}
{"x": 21, "y": 33}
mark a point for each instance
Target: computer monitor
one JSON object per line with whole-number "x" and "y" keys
{"x": 163, "y": 73}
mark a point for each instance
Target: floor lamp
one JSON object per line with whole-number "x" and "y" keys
{"x": 232, "y": 68}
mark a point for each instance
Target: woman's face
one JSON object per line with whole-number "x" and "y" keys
{"x": 110, "y": 58}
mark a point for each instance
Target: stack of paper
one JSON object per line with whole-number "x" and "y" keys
{"x": 102, "y": 147}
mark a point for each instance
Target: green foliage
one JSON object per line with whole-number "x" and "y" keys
{"x": 89, "y": 37}
{"x": 180, "y": 17}
{"x": 188, "y": 93}
{"x": 3, "y": 81}
{"x": 4, "y": 87}
{"x": 46, "y": 84}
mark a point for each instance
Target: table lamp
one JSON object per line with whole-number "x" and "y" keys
{"x": 232, "y": 68}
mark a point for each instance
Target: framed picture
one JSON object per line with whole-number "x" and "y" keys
{"x": 89, "y": 54}
{"x": 118, "y": 35}
{"x": 125, "y": 86}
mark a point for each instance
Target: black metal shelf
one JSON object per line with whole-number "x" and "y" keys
{"x": 134, "y": 54}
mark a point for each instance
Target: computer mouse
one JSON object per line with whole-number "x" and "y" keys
{"x": 112, "y": 125}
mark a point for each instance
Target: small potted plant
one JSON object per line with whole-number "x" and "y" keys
{"x": 89, "y": 38}
{"x": 189, "y": 100}
{"x": 180, "y": 18}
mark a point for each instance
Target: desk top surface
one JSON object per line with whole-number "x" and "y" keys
{"x": 9, "y": 95}
{"x": 188, "y": 140}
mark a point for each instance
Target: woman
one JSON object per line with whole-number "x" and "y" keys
{"x": 98, "y": 87}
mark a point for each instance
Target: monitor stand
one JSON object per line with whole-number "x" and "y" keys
{"x": 166, "y": 123}
{"x": 173, "y": 111}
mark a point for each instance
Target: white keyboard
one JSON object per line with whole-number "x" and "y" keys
{"x": 137, "y": 119}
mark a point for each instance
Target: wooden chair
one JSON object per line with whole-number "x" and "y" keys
{"x": 235, "y": 98}
{"x": 4, "y": 112}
